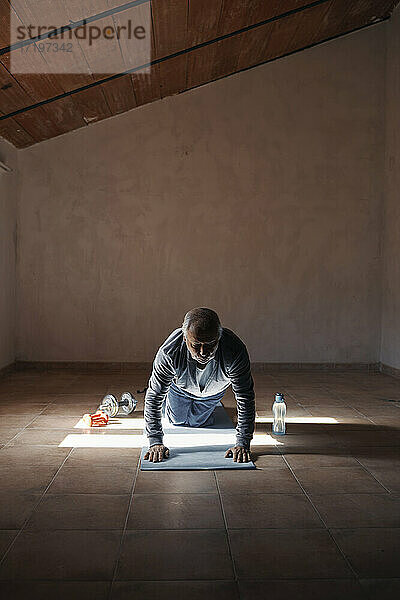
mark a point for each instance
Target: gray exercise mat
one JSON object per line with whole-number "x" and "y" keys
{"x": 197, "y": 448}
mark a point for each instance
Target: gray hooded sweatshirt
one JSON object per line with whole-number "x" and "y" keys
{"x": 173, "y": 363}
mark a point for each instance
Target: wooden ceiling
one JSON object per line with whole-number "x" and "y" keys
{"x": 193, "y": 42}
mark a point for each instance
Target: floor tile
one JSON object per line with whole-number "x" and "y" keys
{"x": 258, "y": 511}
{"x": 6, "y": 537}
{"x": 338, "y": 480}
{"x": 15, "y": 508}
{"x": 325, "y": 457}
{"x": 20, "y": 395}
{"x": 388, "y": 477}
{"x": 41, "y": 437}
{"x": 79, "y": 511}
{"x": 294, "y": 428}
{"x": 368, "y": 438}
{"x": 264, "y": 459}
{"x": 301, "y": 461}
{"x": 373, "y": 552}
{"x": 287, "y": 554}
{"x": 18, "y": 421}
{"x": 388, "y": 425}
{"x": 379, "y": 409}
{"x": 8, "y": 433}
{"x": 33, "y": 455}
{"x": 174, "y": 590}
{"x": 25, "y": 479}
{"x": 310, "y": 403}
{"x": 107, "y": 457}
{"x": 170, "y": 555}
{"x": 304, "y": 442}
{"x": 16, "y": 408}
{"x": 378, "y": 458}
{"x": 272, "y": 481}
{"x": 78, "y": 399}
{"x": 70, "y": 409}
{"x": 381, "y": 589}
{"x": 189, "y": 482}
{"x": 387, "y": 421}
{"x": 62, "y": 555}
{"x": 337, "y": 589}
{"x": 345, "y": 424}
{"x": 176, "y": 511}
{"x": 359, "y": 510}
{"x": 53, "y": 422}
{"x": 48, "y": 590}
{"x": 371, "y": 402}
{"x": 95, "y": 388}
{"x": 292, "y": 411}
{"x": 93, "y": 480}
{"x": 326, "y": 410}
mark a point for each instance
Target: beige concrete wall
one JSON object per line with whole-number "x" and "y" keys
{"x": 258, "y": 195}
{"x": 390, "y": 352}
{"x": 8, "y": 220}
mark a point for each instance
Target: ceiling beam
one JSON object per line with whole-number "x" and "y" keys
{"x": 72, "y": 25}
{"x": 168, "y": 57}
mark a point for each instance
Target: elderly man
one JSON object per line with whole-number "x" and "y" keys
{"x": 191, "y": 371}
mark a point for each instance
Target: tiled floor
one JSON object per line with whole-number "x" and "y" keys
{"x": 319, "y": 518}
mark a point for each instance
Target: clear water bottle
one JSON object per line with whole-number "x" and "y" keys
{"x": 279, "y": 413}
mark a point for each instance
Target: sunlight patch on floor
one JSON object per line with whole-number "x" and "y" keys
{"x": 114, "y": 423}
{"x": 311, "y": 420}
{"x": 100, "y": 439}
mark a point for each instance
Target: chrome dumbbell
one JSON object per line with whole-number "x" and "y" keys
{"x": 112, "y": 407}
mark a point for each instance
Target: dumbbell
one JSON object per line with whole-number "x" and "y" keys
{"x": 111, "y": 406}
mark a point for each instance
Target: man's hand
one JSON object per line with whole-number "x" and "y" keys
{"x": 156, "y": 453}
{"x": 239, "y": 453}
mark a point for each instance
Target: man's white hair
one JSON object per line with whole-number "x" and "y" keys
{"x": 202, "y": 319}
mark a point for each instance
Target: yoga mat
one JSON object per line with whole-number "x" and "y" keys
{"x": 197, "y": 448}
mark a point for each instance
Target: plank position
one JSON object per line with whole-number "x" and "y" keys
{"x": 191, "y": 371}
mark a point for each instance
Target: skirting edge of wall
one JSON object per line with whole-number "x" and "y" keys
{"x": 257, "y": 367}
{"x": 393, "y": 371}
{"x": 7, "y": 369}
{"x": 119, "y": 367}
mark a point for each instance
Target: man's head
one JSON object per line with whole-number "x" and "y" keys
{"x": 202, "y": 331}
